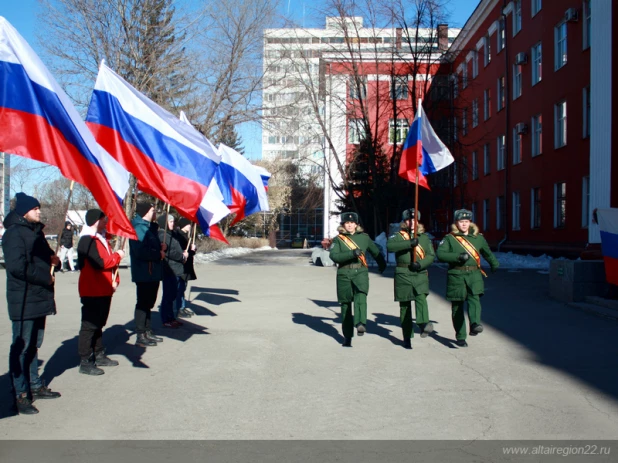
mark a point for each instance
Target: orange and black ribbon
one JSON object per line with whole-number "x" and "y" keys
{"x": 352, "y": 245}
{"x": 470, "y": 249}
{"x": 420, "y": 252}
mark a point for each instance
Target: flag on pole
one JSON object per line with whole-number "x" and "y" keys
{"x": 424, "y": 149}
{"x": 241, "y": 184}
{"x": 38, "y": 121}
{"x": 169, "y": 158}
{"x": 608, "y": 226}
{"x": 264, "y": 174}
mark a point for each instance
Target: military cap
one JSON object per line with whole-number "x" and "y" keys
{"x": 463, "y": 214}
{"x": 408, "y": 214}
{"x": 349, "y": 217}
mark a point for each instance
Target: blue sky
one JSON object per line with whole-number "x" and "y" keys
{"x": 22, "y": 15}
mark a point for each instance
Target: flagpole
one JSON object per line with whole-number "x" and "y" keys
{"x": 416, "y": 191}
{"x": 66, "y": 212}
{"x": 191, "y": 236}
{"x": 167, "y": 212}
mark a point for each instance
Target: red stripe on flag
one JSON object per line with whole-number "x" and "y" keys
{"x": 30, "y": 136}
{"x": 216, "y": 234}
{"x": 163, "y": 184}
{"x": 239, "y": 202}
{"x": 408, "y": 165}
{"x": 611, "y": 270}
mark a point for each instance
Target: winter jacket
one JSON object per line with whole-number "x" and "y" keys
{"x": 189, "y": 271}
{"x": 27, "y": 259}
{"x": 145, "y": 252}
{"x": 66, "y": 238}
{"x": 97, "y": 263}
{"x": 173, "y": 264}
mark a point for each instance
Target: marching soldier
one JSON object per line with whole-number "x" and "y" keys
{"x": 462, "y": 250}
{"x": 348, "y": 251}
{"x": 411, "y": 279}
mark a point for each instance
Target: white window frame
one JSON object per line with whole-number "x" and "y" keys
{"x": 535, "y": 208}
{"x": 475, "y": 64}
{"x": 560, "y": 124}
{"x": 486, "y": 159}
{"x": 536, "y": 53}
{"x": 475, "y": 165}
{"x": 586, "y": 202}
{"x": 356, "y": 93}
{"x": 586, "y": 112}
{"x": 486, "y": 104}
{"x": 536, "y": 6}
{"x": 516, "y": 212}
{"x": 517, "y": 147}
{"x": 560, "y": 46}
{"x": 501, "y": 97}
{"x": 587, "y": 24}
{"x": 516, "y": 17}
{"x": 464, "y": 122}
{"x": 486, "y": 211}
{"x": 501, "y": 35}
{"x": 397, "y": 133}
{"x": 517, "y": 81}
{"x": 556, "y": 203}
{"x": 501, "y": 152}
{"x": 464, "y": 76}
{"x": 487, "y": 51}
{"x": 536, "y": 125}
{"x": 401, "y": 90}
{"x": 354, "y": 131}
{"x": 475, "y": 113}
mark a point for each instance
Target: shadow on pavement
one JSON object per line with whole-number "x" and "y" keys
{"x": 325, "y": 304}
{"x": 7, "y": 397}
{"x": 391, "y": 320}
{"x": 214, "y": 296}
{"x": 319, "y": 324}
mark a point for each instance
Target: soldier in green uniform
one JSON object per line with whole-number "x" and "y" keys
{"x": 348, "y": 251}
{"x": 462, "y": 250}
{"x": 411, "y": 279}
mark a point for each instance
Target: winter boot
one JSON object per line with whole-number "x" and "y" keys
{"x": 347, "y": 342}
{"x": 360, "y": 329}
{"x": 102, "y": 360}
{"x": 24, "y": 405}
{"x": 476, "y": 328}
{"x": 143, "y": 341}
{"x": 427, "y": 330}
{"x": 44, "y": 393}
{"x": 150, "y": 335}
{"x": 407, "y": 343}
{"x": 87, "y": 367}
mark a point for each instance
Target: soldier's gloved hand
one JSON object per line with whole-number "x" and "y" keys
{"x": 413, "y": 242}
{"x": 463, "y": 257}
{"x": 416, "y": 266}
{"x": 357, "y": 252}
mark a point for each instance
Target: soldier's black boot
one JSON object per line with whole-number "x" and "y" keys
{"x": 87, "y": 367}
{"x": 476, "y": 328}
{"x": 24, "y": 405}
{"x": 461, "y": 343}
{"x": 150, "y": 335}
{"x": 427, "y": 329}
{"x": 347, "y": 342}
{"x": 407, "y": 343}
{"x": 102, "y": 360}
{"x": 360, "y": 329}
{"x": 44, "y": 393}
{"x": 143, "y": 341}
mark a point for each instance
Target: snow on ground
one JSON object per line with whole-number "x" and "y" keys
{"x": 204, "y": 257}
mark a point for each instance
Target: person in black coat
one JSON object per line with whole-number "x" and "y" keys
{"x": 183, "y": 235}
{"x": 66, "y": 247}
{"x": 173, "y": 266}
{"x": 28, "y": 260}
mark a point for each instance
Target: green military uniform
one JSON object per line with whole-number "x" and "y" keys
{"x": 465, "y": 278}
{"x": 412, "y": 284}
{"x": 353, "y": 275}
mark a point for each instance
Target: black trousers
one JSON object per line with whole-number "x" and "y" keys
{"x": 95, "y": 311}
{"x": 146, "y": 299}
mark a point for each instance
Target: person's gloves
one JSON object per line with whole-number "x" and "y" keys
{"x": 357, "y": 252}
{"x": 463, "y": 257}
{"x": 413, "y": 242}
{"x": 416, "y": 266}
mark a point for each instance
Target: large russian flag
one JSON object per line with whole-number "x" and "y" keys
{"x": 424, "y": 149}
{"x": 169, "y": 158}
{"x": 608, "y": 225}
{"x": 241, "y": 184}
{"x": 38, "y": 121}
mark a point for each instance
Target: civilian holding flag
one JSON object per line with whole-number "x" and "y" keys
{"x": 348, "y": 251}
{"x": 173, "y": 267}
{"x": 183, "y": 234}
{"x": 462, "y": 250}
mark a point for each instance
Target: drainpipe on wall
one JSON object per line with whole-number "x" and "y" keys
{"x": 507, "y": 140}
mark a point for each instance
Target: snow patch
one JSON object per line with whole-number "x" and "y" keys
{"x": 205, "y": 257}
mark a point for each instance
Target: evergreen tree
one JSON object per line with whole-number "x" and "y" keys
{"x": 229, "y": 136}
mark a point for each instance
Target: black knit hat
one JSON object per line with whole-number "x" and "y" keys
{"x": 408, "y": 214}
{"x": 183, "y": 222}
{"x": 349, "y": 217}
{"x": 25, "y": 203}
{"x": 93, "y": 215}
{"x": 143, "y": 207}
{"x": 463, "y": 214}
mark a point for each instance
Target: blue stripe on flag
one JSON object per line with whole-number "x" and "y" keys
{"x": 609, "y": 244}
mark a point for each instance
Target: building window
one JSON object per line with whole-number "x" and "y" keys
{"x": 455, "y": 129}
{"x": 397, "y": 133}
{"x": 516, "y": 17}
{"x": 535, "y": 208}
{"x": 560, "y": 124}
{"x": 473, "y": 209}
{"x": 501, "y": 93}
{"x": 587, "y": 24}
{"x": 464, "y": 76}
{"x": 586, "y": 107}
{"x": 464, "y": 170}
{"x": 399, "y": 88}
{"x": 560, "y": 39}
{"x": 517, "y": 78}
{"x": 517, "y": 146}
{"x": 358, "y": 88}
{"x": 586, "y": 202}
{"x": 501, "y": 36}
{"x": 516, "y": 210}
{"x": 455, "y": 174}
{"x": 464, "y": 122}
{"x": 487, "y": 50}
{"x": 500, "y": 213}
{"x": 537, "y": 135}
{"x": 487, "y": 104}
{"x": 486, "y": 160}
{"x": 536, "y": 6}
{"x": 501, "y": 153}
{"x": 475, "y": 112}
{"x": 355, "y": 130}
{"x": 455, "y": 85}
{"x": 475, "y": 165}
{"x": 560, "y": 205}
{"x": 475, "y": 64}
{"x": 537, "y": 60}
{"x": 486, "y": 214}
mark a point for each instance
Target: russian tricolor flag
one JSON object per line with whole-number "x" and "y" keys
{"x": 264, "y": 174}
{"x": 38, "y": 121}
{"x": 608, "y": 225}
{"x": 241, "y": 184}
{"x": 169, "y": 158}
{"x": 424, "y": 149}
